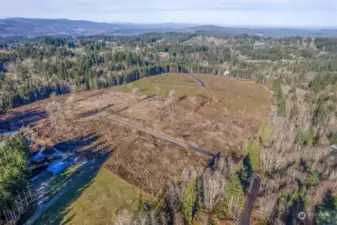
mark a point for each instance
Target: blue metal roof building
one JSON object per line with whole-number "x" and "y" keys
{"x": 56, "y": 167}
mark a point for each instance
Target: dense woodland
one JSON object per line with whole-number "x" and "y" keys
{"x": 14, "y": 171}
{"x": 292, "y": 152}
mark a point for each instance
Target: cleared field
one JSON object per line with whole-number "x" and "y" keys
{"x": 165, "y": 83}
{"x": 228, "y": 94}
{"x": 94, "y": 200}
{"x": 220, "y": 118}
{"x": 174, "y": 79}
{"x": 138, "y": 158}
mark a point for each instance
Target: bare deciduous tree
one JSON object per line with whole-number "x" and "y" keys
{"x": 154, "y": 219}
{"x": 213, "y": 189}
{"x": 158, "y": 90}
{"x": 124, "y": 218}
{"x": 28, "y": 64}
{"x": 172, "y": 196}
{"x": 164, "y": 218}
{"x": 172, "y": 95}
{"x": 135, "y": 92}
{"x": 213, "y": 98}
{"x": 267, "y": 205}
{"x": 70, "y": 107}
{"x": 195, "y": 102}
{"x": 54, "y": 113}
{"x": 11, "y": 67}
{"x": 142, "y": 219}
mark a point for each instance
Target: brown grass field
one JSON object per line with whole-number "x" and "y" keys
{"x": 220, "y": 118}
{"x": 222, "y": 123}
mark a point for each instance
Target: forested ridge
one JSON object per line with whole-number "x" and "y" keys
{"x": 292, "y": 152}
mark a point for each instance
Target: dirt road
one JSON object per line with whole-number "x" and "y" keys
{"x": 249, "y": 205}
{"x": 157, "y": 134}
{"x": 44, "y": 206}
{"x": 201, "y": 83}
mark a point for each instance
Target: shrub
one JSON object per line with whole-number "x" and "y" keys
{"x": 253, "y": 150}
{"x": 306, "y": 138}
{"x": 189, "y": 200}
{"x": 135, "y": 92}
{"x": 266, "y": 133}
{"x": 333, "y": 138}
{"x": 313, "y": 179}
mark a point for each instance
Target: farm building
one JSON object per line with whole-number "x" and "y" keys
{"x": 56, "y": 167}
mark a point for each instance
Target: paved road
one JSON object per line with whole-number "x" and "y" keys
{"x": 44, "y": 206}
{"x": 249, "y": 205}
{"x": 160, "y": 135}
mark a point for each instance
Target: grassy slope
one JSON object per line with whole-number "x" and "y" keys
{"x": 94, "y": 200}
{"x": 166, "y": 83}
{"x": 233, "y": 95}
{"x": 60, "y": 181}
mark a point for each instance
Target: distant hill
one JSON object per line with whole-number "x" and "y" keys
{"x": 43, "y": 27}
{"x": 39, "y": 27}
{"x": 268, "y": 32}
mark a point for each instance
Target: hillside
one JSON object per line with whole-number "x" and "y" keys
{"x": 44, "y": 27}
{"x": 140, "y": 159}
{"x": 38, "y": 27}
{"x": 197, "y": 129}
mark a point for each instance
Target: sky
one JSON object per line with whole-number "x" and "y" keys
{"x": 268, "y": 13}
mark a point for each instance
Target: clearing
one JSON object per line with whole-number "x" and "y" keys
{"x": 220, "y": 118}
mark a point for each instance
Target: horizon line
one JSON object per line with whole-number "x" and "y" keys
{"x": 180, "y": 23}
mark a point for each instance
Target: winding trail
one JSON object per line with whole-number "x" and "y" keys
{"x": 201, "y": 83}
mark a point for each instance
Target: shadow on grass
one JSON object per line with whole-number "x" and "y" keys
{"x": 94, "y": 111}
{"x": 91, "y": 95}
{"x": 84, "y": 146}
{"x": 59, "y": 210}
{"x": 75, "y": 144}
{"x": 129, "y": 106}
{"x": 182, "y": 98}
{"x": 16, "y": 120}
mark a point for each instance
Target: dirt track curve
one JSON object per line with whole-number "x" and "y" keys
{"x": 201, "y": 83}
{"x": 157, "y": 134}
